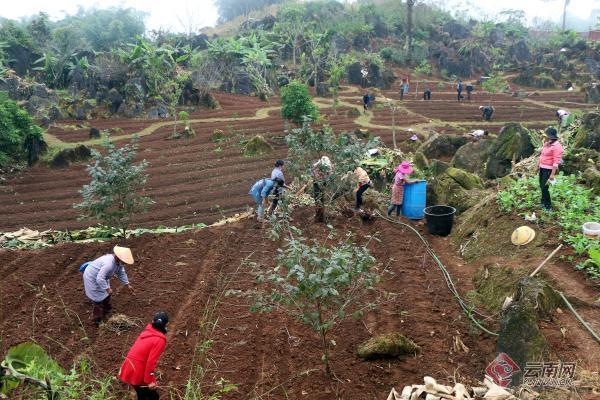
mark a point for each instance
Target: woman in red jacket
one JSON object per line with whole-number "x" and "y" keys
{"x": 138, "y": 367}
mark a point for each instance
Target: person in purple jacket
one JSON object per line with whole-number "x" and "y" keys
{"x": 96, "y": 280}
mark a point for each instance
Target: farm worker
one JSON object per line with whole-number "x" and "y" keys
{"x": 487, "y": 111}
{"x": 96, "y": 279}
{"x": 277, "y": 173}
{"x": 469, "y": 91}
{"x": 569, "y": 85}
{"x": 404, "y": 88}
{"x": 427, "y": 94}
{"x": 478, "y": 134}
{"x": 562, "y": 115}
{"x": 364, "y": 182}
{"x": 138, "y": 367}
{"x": 321, "y": 172}
{"x": 260, "y": 192}
{"x": 550, "y": 158}
{"x": 459, "y": 89}
{"x": 366, "y": 100}
{"x": 401, "y": 178}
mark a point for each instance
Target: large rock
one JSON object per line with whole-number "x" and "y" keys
{"x": 592, "y": 93}
{"x": 472, "y": 156}
{"x": 440, "y": 146}
{"x": 114, "y": 100}
{"x": 512, "y": 144}
{"x": 588, "y": 134}
{"x": 591, "y": 178}
{"x": 520, "y": 337}
{"x": 448, "y": 189}
{"x": 131, "y": 109}
{"x": 158, "y": 109}
{"x": 519, "y": 52}
{"x": 465, "y": 179}
{"x": 456, "y": 30}
{"x": 65, "y": 157}
{"x": 387, "y": 346}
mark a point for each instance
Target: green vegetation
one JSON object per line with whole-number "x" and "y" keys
{"x": 319, "y": 283}
{"x": 20, "y": 138}
{"x": 573, "y": 205}
{"x": 495, "y": 84}
{"x": 114, "y": 196}
{"x": 28, "y": 364}
{"x": 296, "y": 103}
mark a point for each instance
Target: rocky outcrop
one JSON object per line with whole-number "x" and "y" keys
{"x": 376, "y": 77}
{"x": 520, "y": 337}
{"x": 512, "y": 145}
{"x": 588, "y": 134}
{"x": 440, "y": 146}
{"x": 592, "y": 93}
{"x": 65, "y": 157}
{"x": 455, "y": 187}
{"x": 472, "y": 156}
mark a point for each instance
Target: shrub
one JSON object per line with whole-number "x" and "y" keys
{"x": 495, "y": 84}
{"x": 424, "y": 68}
{"x": 296, "y": 103}
{"x": 319, "y": 283}
{"x": 20, "y": 138}
{"x": 114, "y": 195}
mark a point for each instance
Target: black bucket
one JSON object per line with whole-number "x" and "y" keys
{"x": 439, "y": 219}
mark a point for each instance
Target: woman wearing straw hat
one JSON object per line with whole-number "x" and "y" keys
{"x": 401, "y": 178}
{"x": 550, "y": 158}
{"x": 96, "y": 279}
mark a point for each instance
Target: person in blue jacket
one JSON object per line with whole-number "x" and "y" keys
{"x": 260, "y": 193}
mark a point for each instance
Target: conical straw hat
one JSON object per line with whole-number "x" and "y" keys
{"x": 522, "y": 236}
{"x": 123, "y": 254}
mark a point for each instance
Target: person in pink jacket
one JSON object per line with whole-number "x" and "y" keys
{"x": 550, "y": 158}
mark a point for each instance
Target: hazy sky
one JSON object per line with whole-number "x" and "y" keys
{"x": 177, "y": 14}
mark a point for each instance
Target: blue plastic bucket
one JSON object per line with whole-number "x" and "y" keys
{"x": 414, "y": 200}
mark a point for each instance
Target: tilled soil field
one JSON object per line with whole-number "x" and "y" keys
{"x": 203, "y": 278}
{"x": 199, "y": 180}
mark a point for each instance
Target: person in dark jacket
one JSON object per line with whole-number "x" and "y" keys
{"x": 459, "y": 90}
{"x": 487, "y": 112}
{"x": 427, "y": 94}
{"x": 366, "y": 100}
{"x": 469, "y": 91}
{"x": 138, "y": 367}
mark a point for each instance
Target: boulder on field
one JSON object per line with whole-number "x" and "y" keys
{"x": 512, "y": 145}
{"x": 472, "y": 156}
{"x": 465, "y": 179}
{"x": 257, "y": 146}
{"x": 158, "y": 109}
{"x": 131, "y": 109}
{"x": 437, "y": 145}
{"x": 65, "y": 157}
{"x": 437, "y": 167}
{"x": 54, "y": 113}
{"x": 94, "y": 133}
{"x": 388, "y": 345}
{"x": 588, "y": 134}
{"x": 520, "y": 336}
{"x": 208, "y": 100}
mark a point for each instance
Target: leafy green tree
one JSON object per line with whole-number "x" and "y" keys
{"x": 296, "y": 103}
{"x": 114, "y": 195}
{"x": 106, "y": 29}
{"x": 320, "y": 283}
{"x": 19, "y": 136}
